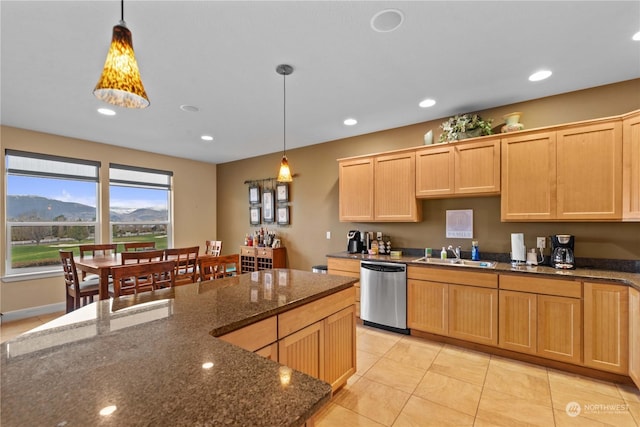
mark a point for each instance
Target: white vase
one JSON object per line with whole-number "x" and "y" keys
{"x": 512, "y": 122}
{"x": 428, "y": 138}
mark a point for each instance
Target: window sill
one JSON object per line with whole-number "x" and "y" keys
{"x": 22, "y": 277}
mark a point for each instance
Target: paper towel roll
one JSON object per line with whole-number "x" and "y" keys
{"x": 518, "y": 250}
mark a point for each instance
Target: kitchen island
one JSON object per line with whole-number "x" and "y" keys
{"x": 152, "y": 359}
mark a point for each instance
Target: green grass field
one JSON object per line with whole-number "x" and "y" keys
{"x": 23, "y": 256}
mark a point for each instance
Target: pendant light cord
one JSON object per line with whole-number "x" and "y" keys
{"x": 284, "y": 114}
{"x": 122, "y": 10}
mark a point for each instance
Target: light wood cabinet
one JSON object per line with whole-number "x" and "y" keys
{"x": 356, "y": 188}
{"x": 634, "y": 335}
{"x": 255, "y": 336}
{"x": 254, "y": 258}
{"x": 473, "y": 314}
{"x": 589, "y": 172}
{"x": 529, "y": 177}
{"x": 573, "y": 173}
{"x": 340, "y": 347}
{"x": 428, "y": 306}
{"x": 462, "y": 168}
{"x": 349, "y": 268}
{"x": 541, "y": 316}
{"x": 379, "y": 188}
{"x": 631, "y": 167}
{"x": 606, "y": 328}
{"x": 304, "y": 350}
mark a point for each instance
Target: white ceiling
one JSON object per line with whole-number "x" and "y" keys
{"x": 221, "y": 57}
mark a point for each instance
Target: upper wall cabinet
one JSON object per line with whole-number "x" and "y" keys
{"x": 631, "y": 167}
{"x": 571, "y": 174}
{"x": 379, "y": 189}
{"x": 459, "y": 169}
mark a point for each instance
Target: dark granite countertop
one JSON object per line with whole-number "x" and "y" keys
{"x": 631, "y": 279}
{"x": 145, "y": 355}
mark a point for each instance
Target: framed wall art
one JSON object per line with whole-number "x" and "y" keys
{"x": 254, "y": 215}
{"x": 282, "y": 192}
{"x": 268, "y": 214}
{"x": 283, "y": 215}
{"x": 254, "y": 194}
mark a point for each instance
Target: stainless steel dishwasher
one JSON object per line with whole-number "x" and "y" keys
{"x": 383, "y": 295}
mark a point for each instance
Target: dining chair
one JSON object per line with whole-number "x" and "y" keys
{"x": 147, "y": 276}
{"x": 186, "y": 260}
{"x": 211, "y": 268}
{"x": 78, "y": 292}
{"x": 96, "y": 250}
{"x": 213, "y": 247}
{"x": 139, "y": 246}
{"x": 141, "y": 256}
{"x": 231, "y": 264}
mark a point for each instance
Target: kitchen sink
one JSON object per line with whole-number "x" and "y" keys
{"x": 457, "y": 262}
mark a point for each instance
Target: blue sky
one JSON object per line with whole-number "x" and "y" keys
{"x": 85, "y": 192}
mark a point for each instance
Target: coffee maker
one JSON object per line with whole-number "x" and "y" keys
{"x": 562, "y": 252}
{"x": 354, "y": 244}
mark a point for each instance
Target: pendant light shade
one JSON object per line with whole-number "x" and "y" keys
{"x": 120, "y": 83}
{"x": 285, "y": 172}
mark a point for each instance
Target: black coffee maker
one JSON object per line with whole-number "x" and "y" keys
{"x": 562, "y": 252}
{"x": 354, "y": 244}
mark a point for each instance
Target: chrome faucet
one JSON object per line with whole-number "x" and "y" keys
{"x": 455, "y": 251}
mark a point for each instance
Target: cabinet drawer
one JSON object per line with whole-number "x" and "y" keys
{"x": 264, "y": 252}
{"x": 255, "y": 336}
{"x": 247, "y": 251}
{"x": 344, "y": 265}
{"x": 539, "y": 285}
{"x": 298, "y": 318}
{"x": 459, "y": 276}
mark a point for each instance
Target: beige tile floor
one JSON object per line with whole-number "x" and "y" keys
{"x": 405, "y": 381}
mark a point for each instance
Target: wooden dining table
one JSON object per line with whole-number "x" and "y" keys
{"x": 101, "y": 266}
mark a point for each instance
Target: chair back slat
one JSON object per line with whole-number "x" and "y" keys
{"x": 99, "y": 249}
{"x": 213, "y": 247}
{"x": 77, "y": 293}
{"x": 142, "y": 256}
{"x": 211, "y": 268}
{"x": 186, "y": 260}
{"x": 139, "y": 246}
{"x": 146, "y": 276}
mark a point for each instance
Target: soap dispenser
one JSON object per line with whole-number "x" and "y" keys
{"x": 443, "y": 253}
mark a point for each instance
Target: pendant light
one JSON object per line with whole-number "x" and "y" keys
{"x": 285, "y": 173}
{"x": 120, "y": 82}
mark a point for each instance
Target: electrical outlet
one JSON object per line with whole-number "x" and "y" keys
{"x": 328, "y": 235}
{"x": 541, "y": 242}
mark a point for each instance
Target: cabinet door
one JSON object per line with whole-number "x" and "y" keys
{"x": 477, "y": 167}
{"x": 304, "y": 350}
{"x": 395, "y": 188}
{"x": 269, "y": 352}
{"x": 473, "y": 314}
{"x": 589, "y": 172}
{"x": 427, "y": 306}
{"x": 517, "y": 321}
{"x": 356, "y": 189}
{"x": 340, "y": 347}
{"x": 606, "y": 328}
{"x": 559, "y": 328}
{"x": 435, "y": 172}
{"x": 631, "y": 168}
{"x": 634, "y": 335}
{"x": 529, "y": 177}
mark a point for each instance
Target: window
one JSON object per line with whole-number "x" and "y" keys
{"x": 51, "y": 203}
{"x": 140, "y": 205}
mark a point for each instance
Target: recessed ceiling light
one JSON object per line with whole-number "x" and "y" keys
{"x": 350, "y": 122}
{"x": 189, "y": 108}
{"x": 206, "y": 138}
{"x": 108, "y": 410}
{"x": 636, "y": 37}
{"x": 387, "y": 20}
{"x": 540, "y": 75}
{"x": 106, "y": 111}
{"x": 426, "y": 103}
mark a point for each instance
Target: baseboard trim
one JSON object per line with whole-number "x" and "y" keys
{"x": 10, "y": 316}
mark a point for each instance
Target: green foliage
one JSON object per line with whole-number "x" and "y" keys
{"x": 453, "y": 128}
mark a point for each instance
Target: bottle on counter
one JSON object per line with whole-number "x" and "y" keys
{"x": 443, "y": 253}
{"x": 475, "y": 251}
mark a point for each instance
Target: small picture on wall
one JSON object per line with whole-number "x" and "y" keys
{"x": 267, "y": 206}
{"x": 254, "y": 195}
{"x": 283, "y": 215}
{"x": 282, "y": 192}
{"x": 254, "y": 215}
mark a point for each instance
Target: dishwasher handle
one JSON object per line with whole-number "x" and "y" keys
{"x": 384, "y": 267}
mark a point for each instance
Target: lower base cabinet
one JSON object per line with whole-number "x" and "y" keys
{"x": 349, "y": 268}
{"x": 303, "y": 350}
{"x": 634, "y": 335}
{"x": 428, "y": 306}
{"x": 559, "y": 328}
{"x": 473, "y": 314}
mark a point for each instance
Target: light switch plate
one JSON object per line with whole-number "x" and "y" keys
{"x": 541, "y": 242}
{"x": 328, "y": 235}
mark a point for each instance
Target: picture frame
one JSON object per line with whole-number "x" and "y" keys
{"x": 283, "y": 215}
{"x": 254, "y": 194}
{"x": 268, "y": 212}
{"x": 282, "y": 192}
{"x": 254, "y": 215}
